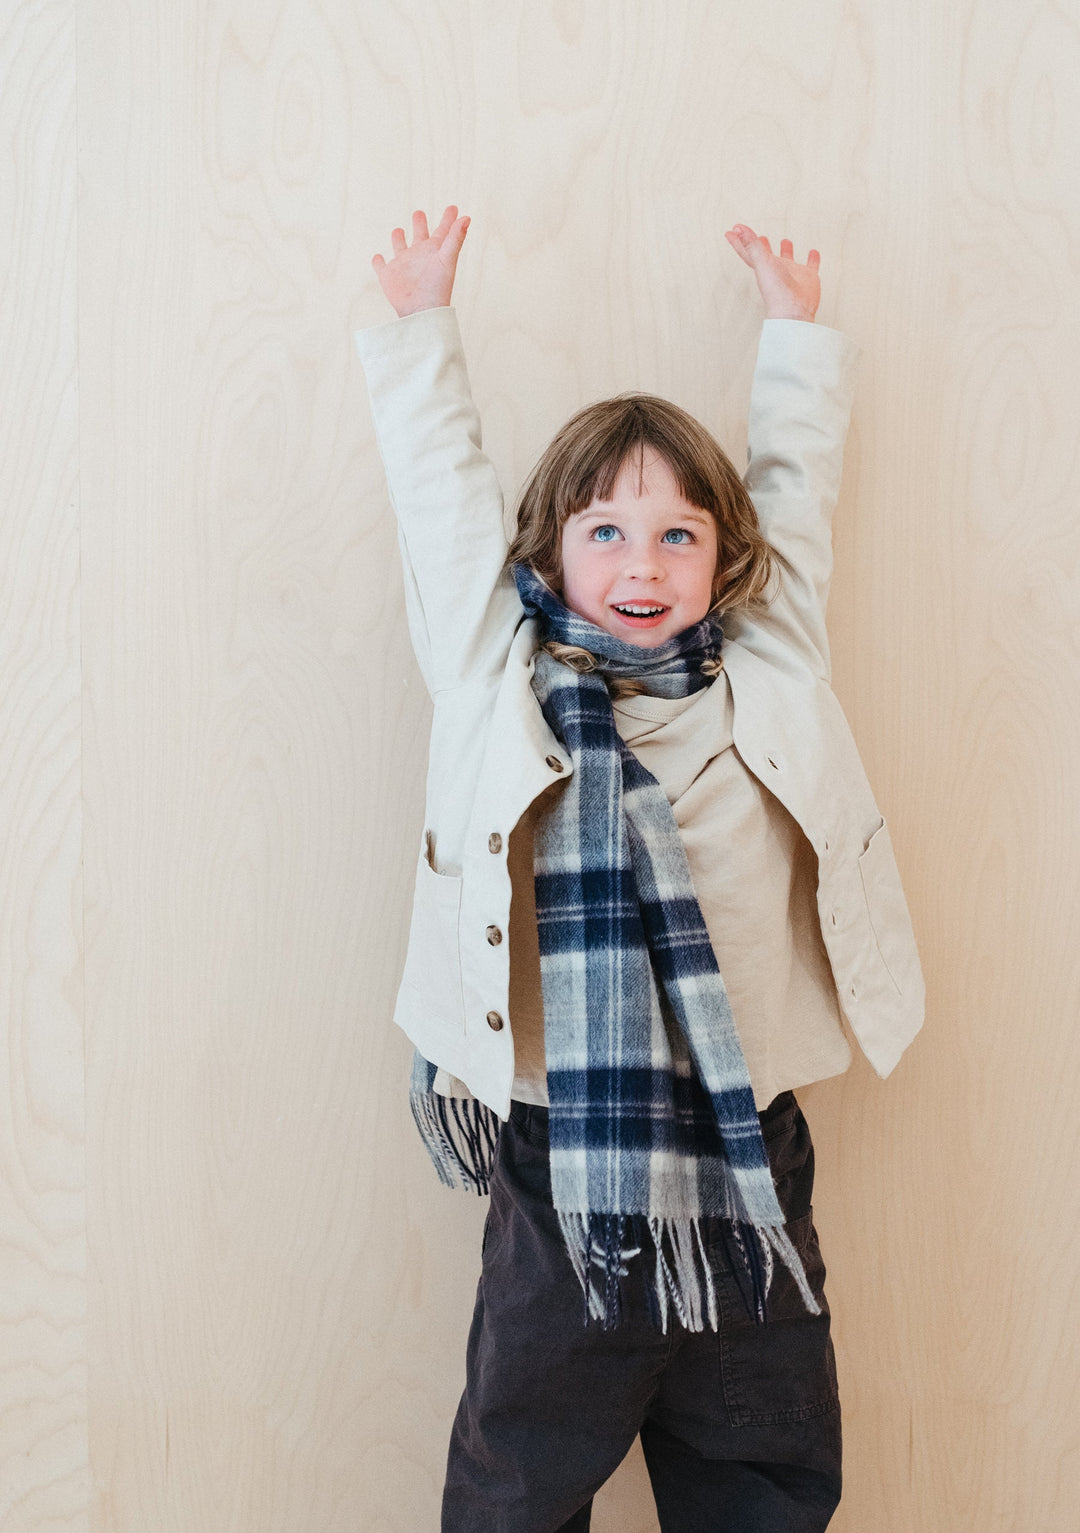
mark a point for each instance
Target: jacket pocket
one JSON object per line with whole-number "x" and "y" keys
{"x": 431, "y": 983}
{"x": 886, "y": 906}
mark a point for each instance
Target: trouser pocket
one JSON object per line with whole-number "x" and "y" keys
{"x": 784, "y": 1370}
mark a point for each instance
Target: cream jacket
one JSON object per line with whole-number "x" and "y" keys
{"x": 492, "y": 753}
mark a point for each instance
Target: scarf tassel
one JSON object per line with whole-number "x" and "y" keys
{"x": 600, "y": 1247}
{"x": 460, "y": 1134}
{"x": 754, "y": 1257}
{"x": 604, "y": 1244}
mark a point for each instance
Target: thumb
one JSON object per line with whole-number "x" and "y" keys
{"x": 756, "y": 245}
{"x": 748, "y": 245}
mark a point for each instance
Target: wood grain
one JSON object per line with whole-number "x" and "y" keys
{"x": 43, "y": 1385}
{"x": 244, "y": 1294}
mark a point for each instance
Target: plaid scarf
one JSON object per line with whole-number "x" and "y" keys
{"x": 653, "y": 1126}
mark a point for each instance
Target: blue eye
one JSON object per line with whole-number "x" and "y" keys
{"x": 683, "y": 533}
{"x": 607, "y": 527}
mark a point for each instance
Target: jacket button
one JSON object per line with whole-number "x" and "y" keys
{"x": 554, "y": 763}
{"x": 494, "y": 842}
{"x": 494, "y": 1021}
{"x": 494, "y": 935}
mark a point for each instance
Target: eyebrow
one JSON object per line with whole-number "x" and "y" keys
{"x": 691, "y": 515}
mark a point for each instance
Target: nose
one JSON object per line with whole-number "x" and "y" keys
{"x": 642, "y": 562}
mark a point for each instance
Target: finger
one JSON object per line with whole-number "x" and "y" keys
{"x": 455, "y": 238}
{"x": 738, "y": 244}
{"x": 419, "y": 225}
{"x": 397, "y": 239}
{"x": 443, "y": 227}
{"x": 743, "y": 241}
{"x": 765, "y": 242}
{"x": 752, "y": 247}
{"x": 814, "y": 259}
{"x": 787, "y": 249}
{"x": 378, "y": 262}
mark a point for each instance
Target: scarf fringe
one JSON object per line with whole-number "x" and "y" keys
{"x": 460, "y": 1135}
{"x": 782, "y": 1244}
{"x": 682, "y": 1279}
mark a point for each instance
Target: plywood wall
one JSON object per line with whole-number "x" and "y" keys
{"x": 44, "y": 1481}
{"x": 233, "y": 1297}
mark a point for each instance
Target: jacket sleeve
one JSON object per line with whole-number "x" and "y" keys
{"x": 800, "y": 406}
{"x": 462, "y": 608}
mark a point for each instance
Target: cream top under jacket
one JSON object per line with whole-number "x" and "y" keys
{"x": 492, "y": 754}
{"x": 755, "y": 876}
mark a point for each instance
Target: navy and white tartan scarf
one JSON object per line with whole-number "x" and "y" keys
{"x": 652, "y": 1121}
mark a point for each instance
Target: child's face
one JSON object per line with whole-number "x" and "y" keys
{"x": 649, "y": 550}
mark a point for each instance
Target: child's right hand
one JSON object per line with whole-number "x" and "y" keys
{"x": 789, "y": 288}
{"x": 421, "y": 275}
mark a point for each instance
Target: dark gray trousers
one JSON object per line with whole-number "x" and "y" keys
{"x": 740, "y": 1431}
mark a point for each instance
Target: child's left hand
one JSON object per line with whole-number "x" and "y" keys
{"x": 788, "y": 290}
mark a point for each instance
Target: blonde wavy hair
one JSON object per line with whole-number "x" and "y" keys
{"x": 582, "y": 463}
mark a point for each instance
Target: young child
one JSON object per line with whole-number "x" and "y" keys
{"x": 652, "y": 882}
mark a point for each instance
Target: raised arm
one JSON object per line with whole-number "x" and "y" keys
{"x": 800, "y": 407}
{"x": 462, "y": 609}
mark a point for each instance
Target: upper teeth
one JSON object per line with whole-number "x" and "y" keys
{"x": 638, "y": 611}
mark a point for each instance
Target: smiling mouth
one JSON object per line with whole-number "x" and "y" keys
{"x": 638, "y": 609}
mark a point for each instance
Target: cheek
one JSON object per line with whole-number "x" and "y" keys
{"x": 714, "y": 569}
{"x": 707, "y": 581}
{"x": 579, "y": 571}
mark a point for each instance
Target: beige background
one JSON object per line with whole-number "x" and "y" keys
{"x": 233, "y": 1296}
